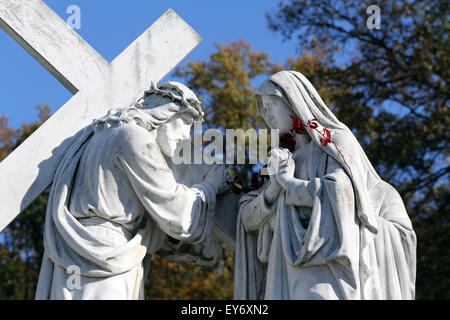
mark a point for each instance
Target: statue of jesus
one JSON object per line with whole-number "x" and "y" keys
{"x": 114, "y": 200}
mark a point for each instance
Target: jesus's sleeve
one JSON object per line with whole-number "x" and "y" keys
{"x": 183, "y": 213}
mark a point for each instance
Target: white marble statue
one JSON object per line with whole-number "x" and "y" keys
{"x": 325, "y": 226}
{"x": 115, "y": 201}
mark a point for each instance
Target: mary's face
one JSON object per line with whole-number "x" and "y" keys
{"x": 276, "y": 114}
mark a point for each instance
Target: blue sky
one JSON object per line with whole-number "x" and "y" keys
{"x": 110, "y": 26}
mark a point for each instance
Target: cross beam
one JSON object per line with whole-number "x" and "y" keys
{"x": 97, "y": 86}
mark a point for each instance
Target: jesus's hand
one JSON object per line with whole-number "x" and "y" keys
{"x": 219, "y": 177}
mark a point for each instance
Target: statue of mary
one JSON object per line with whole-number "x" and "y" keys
{"x": 325, "y": 226}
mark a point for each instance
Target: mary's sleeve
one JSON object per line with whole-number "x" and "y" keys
{"x": 183, "y": 213}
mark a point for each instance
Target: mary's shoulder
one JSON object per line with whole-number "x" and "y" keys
{"x": 384, "y": 190}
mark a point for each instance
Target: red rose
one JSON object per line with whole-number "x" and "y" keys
{"x": 287, "y": 141}
{"x": 326, "y": 137}
{"x": 312, "y": 124}
{"x": 297, "y": 125}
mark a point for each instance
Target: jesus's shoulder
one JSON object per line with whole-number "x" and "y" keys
{"x": 132, "y": 139}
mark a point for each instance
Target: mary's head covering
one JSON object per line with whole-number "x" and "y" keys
{"x": 305, "y": 103}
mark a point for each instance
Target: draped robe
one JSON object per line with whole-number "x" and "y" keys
{"x": 309, "y": 243}
{"x": 113, "y": 203}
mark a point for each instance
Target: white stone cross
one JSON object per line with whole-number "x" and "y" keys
{"x": 97, "y": 86}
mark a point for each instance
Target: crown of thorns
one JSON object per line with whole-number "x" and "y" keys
{"x": 167, "y": 90}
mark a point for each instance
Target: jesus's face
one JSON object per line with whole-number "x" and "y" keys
{"x": 173, "y": 132}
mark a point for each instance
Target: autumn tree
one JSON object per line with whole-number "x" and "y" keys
{"x": 175, "y": 280}
{"x": 21, "y": 243}
{"x": 224, "y": 82}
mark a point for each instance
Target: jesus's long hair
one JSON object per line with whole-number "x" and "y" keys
{"x": 184, "y": 100}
